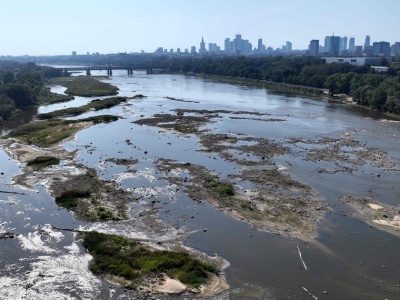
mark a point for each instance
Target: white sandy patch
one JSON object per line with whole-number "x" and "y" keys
{"x": 394, "y": 223}
{"x": 171, "y": 286}
{"x": 375, "y": 206}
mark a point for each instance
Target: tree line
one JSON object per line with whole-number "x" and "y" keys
{"x": 21, "y": 85}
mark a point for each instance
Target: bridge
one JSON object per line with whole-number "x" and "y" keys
{"x": 110, "y": 69}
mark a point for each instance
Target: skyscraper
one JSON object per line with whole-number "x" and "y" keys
{"x": 367, "y": 42}
{"x": 202, "y": 49}
{"x": 344, "y": 43}
{"x": 327, "y": 44}
{"x": 227, "y": 45}
{"x": 288, "y": 47}
{"x": 259, "y": 48}
{"x": 314, "y": 47}
{"x": 334, "y": 45}
{"x": 352, "y": 43}
{"x": 237, "y": 44}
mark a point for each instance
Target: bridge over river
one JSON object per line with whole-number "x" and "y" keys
{"x": 110, "y": 69}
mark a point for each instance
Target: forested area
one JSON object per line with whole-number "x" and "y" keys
{"x": 21, "y": 86}
{"x": 380, "y": 91}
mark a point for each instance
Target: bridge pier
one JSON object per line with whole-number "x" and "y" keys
{"x": 149, "y": 71}
{"x": 130, "y": 71}
{"x": 109, "y": 72}
{"x": 88, "y": 72}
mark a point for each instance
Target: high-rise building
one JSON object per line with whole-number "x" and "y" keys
{"x": 327, "y": 44}
{"x": 352, "y": 43}
{"x": 237, "y": 44}
{"x": 367, "y": 42}
{"x": 397, "y": 48}
{"x": 288, "y": 47}
{"x": 259, "y": 48}
{"x": 227, "y": 46}
{"x": 343, "y": 43}
{"x": 381, "y": 49}
{"x": 193, "y": 50}
{"x": 334, "y": 45}
{"x": 314, "y": 47}
{"x": 202, "y": 49}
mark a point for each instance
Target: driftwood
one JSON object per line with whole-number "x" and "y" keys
{"x": 304, "y": 264}
{"x": 14, "y": 193}
{"x": 309, "y": 293}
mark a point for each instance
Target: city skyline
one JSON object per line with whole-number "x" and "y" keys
{"x": 47, "y": 27}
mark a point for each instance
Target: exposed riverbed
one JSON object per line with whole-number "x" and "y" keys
{"x": 327, "y": 153}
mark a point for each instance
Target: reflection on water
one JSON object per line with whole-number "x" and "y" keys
{"x": 346, "y": 262}
{"x": 22, "y": 118}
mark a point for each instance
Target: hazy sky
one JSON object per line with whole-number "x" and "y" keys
{"x": 47, "y": 27}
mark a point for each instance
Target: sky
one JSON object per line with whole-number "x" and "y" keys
{"x": 58, "y": 27}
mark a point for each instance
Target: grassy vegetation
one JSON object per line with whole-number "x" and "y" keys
{"x": 46, "y": 133}
{"x": 41, "y": 162}
{"x": 221, "y": 188}
{"x": 75, "y": 111}
{"x": 85, "y": 86}
{"x": 47, "y": 97}
{"x": 118, "y": 256}
{"x": 187, "y": 129}
{"x": 69, "y": 199}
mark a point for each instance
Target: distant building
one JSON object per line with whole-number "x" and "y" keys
{"x": 288, "y": 47}
{"x": 381, "y": 49}
{"x": 237, "y": 44}
{"x": 260, "y": 45}
{"x": 314, "y": 47}
{"x": 368, "y": 51}
{"x": 178, "y": 50}
{"x": 202, "y": 49}
{"x": 327, "y": 44}
{"x": 358, "y": 50}
{"x": 367, "y": 42}
{"x": 159, "y": 50}
{"x": 193, "y": 50}
{"x": 334, "y": 45}
{"x": 343, "y": 44}
{"x": 356, "y": 61}
{"x": 74, "y": 53}
{"x": 352, "y": 43}
{"x": 227, "y": 45}
{"x": 396, "y": 49}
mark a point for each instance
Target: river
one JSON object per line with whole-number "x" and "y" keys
{"x": 348, "y": 260}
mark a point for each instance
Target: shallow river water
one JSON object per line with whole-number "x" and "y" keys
{"x": 348, "y": 259}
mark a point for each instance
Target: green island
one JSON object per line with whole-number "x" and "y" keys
{"x": 47, "y": 97}
{"x": 135, "y": 262}
{"x": 75, "y": 111}
{"x": 41, "y": 162}
{"x": 47, "y": 133}
{"x": 85, "y": 86}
